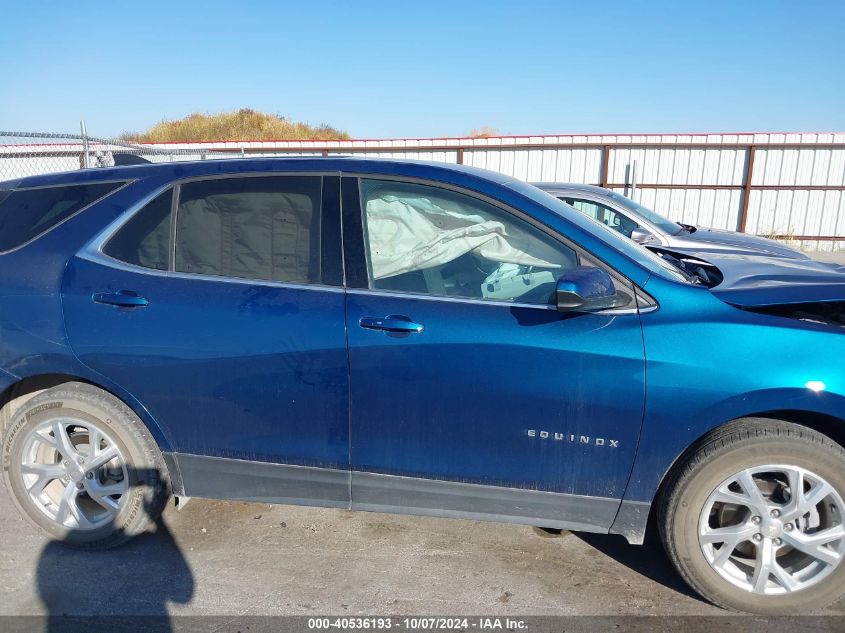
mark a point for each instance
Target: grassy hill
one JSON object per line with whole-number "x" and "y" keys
{"x": 241, "y": 125}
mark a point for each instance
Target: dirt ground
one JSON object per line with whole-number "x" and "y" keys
{"x": 227, "y": 558}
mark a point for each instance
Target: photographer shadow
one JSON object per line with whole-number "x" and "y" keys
{"x": 123, "y": 589}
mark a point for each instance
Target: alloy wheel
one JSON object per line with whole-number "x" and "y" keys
{"x": 773, "y": 529}
{"x": 74, "y": 472}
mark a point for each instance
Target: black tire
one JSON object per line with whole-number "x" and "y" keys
{"x": 742, "y": 444}
{"x": 148, "y": 480}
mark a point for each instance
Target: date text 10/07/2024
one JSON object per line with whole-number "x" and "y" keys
{"x": 417, "y": 623}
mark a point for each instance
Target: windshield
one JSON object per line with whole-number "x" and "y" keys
{"x": 613, "y": 238}
{"x": 664, "y": 224}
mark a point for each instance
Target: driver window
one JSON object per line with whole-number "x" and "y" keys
{"x": 604, "y": 214}
{"x": 429, "y": 240}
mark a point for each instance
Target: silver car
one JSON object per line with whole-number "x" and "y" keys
{"x": 651, "y": 229}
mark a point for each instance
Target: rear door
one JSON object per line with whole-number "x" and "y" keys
{"x": 219, "y": 306}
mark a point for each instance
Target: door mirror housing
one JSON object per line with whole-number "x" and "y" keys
{"x": 642, "y": 236}
{"x": 585, "y": 289}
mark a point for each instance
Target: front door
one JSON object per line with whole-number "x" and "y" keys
{"x": 470, "y": 394}
{"x": 229, "y": 329}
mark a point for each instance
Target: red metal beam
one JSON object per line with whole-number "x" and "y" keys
{"x": 345, "y": 149}
{"x": 618, "y": 185}
{"x": 820, "y": 238}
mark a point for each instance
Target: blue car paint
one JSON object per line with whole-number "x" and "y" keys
{"x": 7, "y": 380}
{"x": 236, "y": 369}
{"x": 699, "y": 361}
{"x": 709, "y": 362}
{"x": 450, "y": 402}
{"x": 33, "y": 338}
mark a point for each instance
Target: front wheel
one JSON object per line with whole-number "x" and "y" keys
{"x": 83, "y": 467}
{"x": 753, "y": 520}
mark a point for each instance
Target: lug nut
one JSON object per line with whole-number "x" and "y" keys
{"x": 775, "y": 513}
{"x": 89, "y": 475}
{"x": 80, "y": 460}
{"x": 778, "y": 542}
{"x": 79, "y": 486}
{"x": 756, "y": 520}
{"x": 757, "y": 538}
{"x": 787, "y": 527}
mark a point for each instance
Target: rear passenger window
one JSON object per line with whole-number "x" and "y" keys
{"x": 145, "y": 239}
{"x": 265, "y": 227}
{"x": 27, "y": 213}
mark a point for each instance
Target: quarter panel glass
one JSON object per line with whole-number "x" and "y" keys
{"x": 145, "y": 239}
{"x": 28, "y": 213}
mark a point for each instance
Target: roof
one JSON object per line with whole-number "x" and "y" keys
{"x": 340, "y": 164}
{"x": 556, "y": 187}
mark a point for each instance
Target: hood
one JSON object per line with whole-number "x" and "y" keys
{"x": 732, "y": 242}
{"x": 757, "y": 281}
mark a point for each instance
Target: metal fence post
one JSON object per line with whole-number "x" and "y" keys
{"x": 633, "y": 179}
{"x": 605, "y": 165}
{"x": 742, "y": 221}
{"x": 86, "y": 159}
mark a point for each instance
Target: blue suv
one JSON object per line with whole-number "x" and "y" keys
{"x": 417, "y": 338}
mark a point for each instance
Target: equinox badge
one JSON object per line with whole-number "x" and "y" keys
{"x": 573, "y": 438}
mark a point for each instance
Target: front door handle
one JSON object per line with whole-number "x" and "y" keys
{"x": 121, "y": 298}
{"x": 391, "y": 323}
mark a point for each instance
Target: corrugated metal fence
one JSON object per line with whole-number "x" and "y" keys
{"x": 787, "y": 185}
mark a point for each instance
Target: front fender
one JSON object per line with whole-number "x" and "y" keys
{"x": 708, "y": 363}
{"x": 665, "y": 438}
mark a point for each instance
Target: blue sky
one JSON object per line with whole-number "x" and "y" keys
{"x": 433, "y": 68}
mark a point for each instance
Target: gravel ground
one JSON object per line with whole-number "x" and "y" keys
{"x": 218, "y": 558}
{"x": 228, "y": 558}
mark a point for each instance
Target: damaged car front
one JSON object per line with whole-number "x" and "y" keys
{"x": 806, "y": 290}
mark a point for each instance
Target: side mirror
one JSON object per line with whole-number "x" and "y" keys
{"x": 585, "y": 289}
{"x": 642, "y": 236}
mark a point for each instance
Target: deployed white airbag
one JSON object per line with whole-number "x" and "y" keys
{"x": 414, "y": 233}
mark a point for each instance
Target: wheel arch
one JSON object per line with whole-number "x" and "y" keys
{"x": 636, "y": 520}
{"x": 828, "y": 425}
{"x": 22, "y": 390}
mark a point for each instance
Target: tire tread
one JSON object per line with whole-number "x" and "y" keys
{"x": 138, "y": 434}
{"x": 741, "y": 430}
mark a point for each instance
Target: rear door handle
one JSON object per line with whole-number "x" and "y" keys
{"x": 391, "y": 323}
{"x": 121, "y": 298}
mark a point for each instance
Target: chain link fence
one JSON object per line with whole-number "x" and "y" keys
{"x": 789, "y": 187}
{"x": 31, "y": 153}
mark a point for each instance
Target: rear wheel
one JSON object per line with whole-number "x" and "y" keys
{"x": 82, "y": 467}
{"x": 754, "y": 519}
